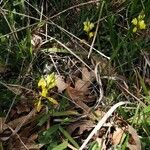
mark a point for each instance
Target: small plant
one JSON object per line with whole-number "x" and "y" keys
{"x": 88, "y": 26}
{"x": 139, "y": 23}
{"x": 86, "y": 88}
{"x": 46, "y": 83}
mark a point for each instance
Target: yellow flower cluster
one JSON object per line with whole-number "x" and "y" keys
{"x": 139, "y": 23}
{"x": 88, "y": 26}
{"x": 46, "y": 83}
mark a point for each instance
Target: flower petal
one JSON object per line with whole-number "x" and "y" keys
{"x": 44, "y": 92}
{"x": 39, "y": 106}
{"x": 88, "y": 26}
{"x": 141, "y": 17}
{"x": 42, "y": 83}
{"x": 51, "y": 81}
{"x": 142, "y": 24}
{"x": 52, "y": 100}
{"x": 134, "y": 21}
{"x": 91, "y": 26}
{"x": 91, "y": 34}
{"x": 134, "y": 29}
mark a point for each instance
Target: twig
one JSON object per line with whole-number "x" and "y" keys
{"x": 101, "y": 122}
{"x": 98, "y": 79}
{"x": 71, "y": 147}
{"x": 100, "y": 14}
{"x": 75, "y": 6}
{"x": 132, "y": 94}
{"x": 65, "y": 31}
{"x": 18, "y": 136}
{"x": 68, "y": 49}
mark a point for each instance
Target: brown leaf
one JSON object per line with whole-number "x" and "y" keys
{"x": 84, "y": 83}
{"x": 33, "y": 137}
{"x": 134, "y": 141}
{"x": 117, "y": 136}
{"x": 77, "y": 98}
{"x": 86, "y": 75}
{"x": 81, "y": 85}
{"x": 36, "y": 41}
{"x": 22, "y": 144}
{"x": 23, "y": 106}
{"x": 3, "y": 68}
{"x": 84, "y": 125}
{"x": 2, "y": 120}
{"x": 19, "y": 122}
{"x": 60, "y": 83}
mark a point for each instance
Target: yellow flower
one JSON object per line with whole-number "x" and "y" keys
{"x": 139, "y": 22}
{"x": 52, "y": 100}
{"x": 46, "y": 83}
{"x": 42, "y": 83}
{"x": 88, "y": 26}
{"x": 44, "y": 92}
{"x": 91, "y": 34}
{"x": 134, "y": 21}
{"x": 51, "y": 81}
{"x": 141, "y": 16}
{"x": 142, "y": 24}
{"x": 134, "y": 29}
{"x": 38, "y": 105}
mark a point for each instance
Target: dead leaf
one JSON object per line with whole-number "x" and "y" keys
{"x": 84, "y": 125}
{"x": 117, "y": 136}
{"x": 23, "y": 144}
{"x": 99, "y": 113}
{"x": 33, "y": 137}
{"x": 2, "y": 120}
{"x": 35, "y": 146}
{"x": 60, "y": 83}
{"x": 36, "y": 41}
{"x": 24, "y": 106}
{"x": 16, "y": 124}
{"x": 3, "y": 69}
{"x": 84, "y": 83}
{"x": 134, "y": 141}
{"x": 81, "y": 85}
{"x": 87, "y": 75}
{"x": 77, "y": 98}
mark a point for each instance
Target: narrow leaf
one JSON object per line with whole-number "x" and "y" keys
{"x": 61, "y": 146}
{"x": 67, "y": 135}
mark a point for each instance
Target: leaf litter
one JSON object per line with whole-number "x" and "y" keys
{"x": 79, "y": 88}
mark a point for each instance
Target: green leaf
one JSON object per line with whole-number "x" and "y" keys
{"x": 67, "y": 135}
{"x": 55, "y": 50}
{"x": 52, "y": 129}
{"x": 43, "y": 119}
{"x": 61, "y": 146}
{"x": 94, "y": 146}
{"x": 147, "y": 99}
{"x": 49, "y": 135}
{"x": 64, "y": 113}
{"x": 145, "y": 90}
{"x": 52, "y": 100}
{"x": 147, "y": 109}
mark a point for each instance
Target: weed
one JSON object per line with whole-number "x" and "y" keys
{"x": 99, "y": 52}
